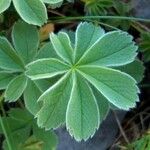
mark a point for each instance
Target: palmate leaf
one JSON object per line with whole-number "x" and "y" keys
{"x": 13, "y": 61}
{"x": 81, "y": 97}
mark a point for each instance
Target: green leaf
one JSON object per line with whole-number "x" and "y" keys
{"x": 82, "y": 116}
{"x": 119, "y": 88}
{"x": 53, "y": 3}
{"x": 31, "y": 11}
{"x": 145, "y": 45}
{"x": 55, "y": 100}
{"x": 15, "y": 88}
{"x": 115, "y": 48}
{"x": 9, "y": 60}
{"x": 48, "y": 138}
{"x": 86, "y": 35}
{"x": 31, "y": 95}
{"x": 5, "y": 78}
{"x": 135, "y": 69}
{"x": 85, "y": 107}
{"x": 46, "y": 51}
{"x": 4, "y": 4}
{"x": 62, "y": 46}
{"x": 46, "y": 68}
{"x": 26, "y": 40}
{"x": 102, "y": 102}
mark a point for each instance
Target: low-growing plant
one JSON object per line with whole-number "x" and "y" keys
{"x": 73, "y": 80}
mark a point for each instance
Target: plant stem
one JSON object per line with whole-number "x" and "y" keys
{"x": 3, "y": 126}
{"x": 100, "y": 17}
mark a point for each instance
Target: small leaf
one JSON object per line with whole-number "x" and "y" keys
{"x": 15, "y": 88}
{"x": 102, "y": 102}
{"x": 31, "y": 11}
{"x": 46, "y": 51}
{"x": 113, "y": 49}
{"x": 62, "y": 46}
{"x": 53, "y": 3}
{"x": 4, "y": 4}
{"x": 46, "y": 68}
{"x": 48, "y": 138}
{"x": 55, "y": 100}
{"x": 5, "y": 78}
{"x": 135, "y": 69}
{"x": 82, "y": 116}
{"x": 119, "y": 88}
{"x": 31, "y": 95}
{"x": 86, "y": 35}
{"x": 26, "y": 40}
{"x": 9, "y": 60}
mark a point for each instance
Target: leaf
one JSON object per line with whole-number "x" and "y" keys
{"x": 9, "y": 60}
{"x": 86, "y": 35}
{"x": 5, "y": 78}
{"x": 119, "y": 88}
{"x": 53, "y": 3}
{"x": 82, "y": 116}
{"x": 46, "y": 68}
{"x": 15, "y": 88}
{"x": 62, "y": 46}
{"x": 45, "y": 30}
{"x": 71, "y": 99}
{"x": 31, "y": 11}
{"x": 32, "y": 143}
{"x": 135, "y": 69}
{"x": 21, "y": 123}
{"x": 102, "y": 103}
{"x": 115, "y": 48}
{"x": 48, "y": 138}
{"x": 26, "y": 40}
{"x": 55, "y": 100}
{"x": 46, "y": 51}
{"x": 31, "y": 95}
{"x": 145, "y": 45}
{"x": 4, "y": 4}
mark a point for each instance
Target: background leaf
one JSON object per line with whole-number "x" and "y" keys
{"x": 26, "y": 40}
{"x": 16, "y": 88}
{"x": 9, "y": 60}
{"x": 31, "y": 11}
{"x": 5, "y": 78}
{"x": 4, "y": 4}
{"x": 31, "y": 95}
